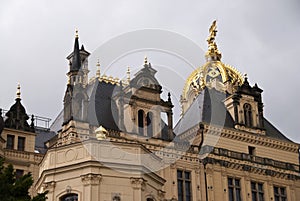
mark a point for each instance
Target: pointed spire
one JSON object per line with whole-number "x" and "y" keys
{"x": 18, "y": 94}
{"x": 128, "y": 74}
{"x": 98, "y": 69}
{"x": 146, "y": 61}
{"x": 212, "y": 53}
{"x": 76, "y": 61}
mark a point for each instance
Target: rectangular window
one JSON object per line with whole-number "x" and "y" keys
{"x": 280, "y": 193}
{"x": 10, "y": 141}
{"x": 19, "y": 173}
{"x": 257, "y": 191}
{"x": 21, "y": 143}
{"x": 251, "y": 150}
{"x": 184, "y": 185}
{"x": 234, "y": 189}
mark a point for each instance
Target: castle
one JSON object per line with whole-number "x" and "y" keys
{"x": 113, "y": 144}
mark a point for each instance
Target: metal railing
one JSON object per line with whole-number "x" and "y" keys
{"x": 39, "y": 121}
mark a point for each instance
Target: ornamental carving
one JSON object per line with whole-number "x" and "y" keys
{"x": 91, "y": 179}
{"x": 138, "y": 183}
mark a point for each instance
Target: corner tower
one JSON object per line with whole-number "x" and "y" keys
{"x": 75, "y": 120}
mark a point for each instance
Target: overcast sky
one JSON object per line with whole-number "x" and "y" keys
{"x": 260, "y": 38}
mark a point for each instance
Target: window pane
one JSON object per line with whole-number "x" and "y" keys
{"x": 230, "y": 193}
{"x": 237, "y": 182}
{"x": 238, "y": 195}
{"x": 230, "y": 181}
{"x": 261, "y": 197}
{"x": 180, "y": 190}
{"x": 282, "y": 191}
{"x": 19, "y": 173}
{"x": 260, "y": 187}
{"x": 276, "y": 190}
{"x": 254, "y": 196}
{"x": 10, "y": 141}
{"x": 179, "y": 174}
{"x": 21, "y": 143}
{"x": 253, "y": 186}
{"x": 187, "y": 175}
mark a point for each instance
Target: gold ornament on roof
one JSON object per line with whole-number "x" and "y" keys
{"x": 101, "y": 133}
{"x": 213, "y": 53}
{"x": 213, "y": 74}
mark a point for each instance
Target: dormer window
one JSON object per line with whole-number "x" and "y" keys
{"x": 248, "y": 115}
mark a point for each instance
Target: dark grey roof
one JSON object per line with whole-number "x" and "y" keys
{"x": 42, "y": 136}
{"x": 208, "y": 107}
{"x": 273, "y": 132}
{"x": 102, "y": 108}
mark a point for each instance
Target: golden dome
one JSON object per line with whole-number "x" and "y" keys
{"x": 213, "y": 70}
{"x": 213, "y": 74}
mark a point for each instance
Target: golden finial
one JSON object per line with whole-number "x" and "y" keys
{"x": 213, "y": 52}
{"x": 98, "y": 69}
{"x": 18, "y": 92}
{"x": 212, "y": 32}
{"x": 76, "y": 33}
{"x": 128, "y": 74}
{"x": 145, "y": 60}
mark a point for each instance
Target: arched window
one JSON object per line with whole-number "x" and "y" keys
{"x": 248, "y": 114}
{"x": 141, "y": 122}
{"x": 69, "y": 197}
{"x": 149, "y": 124}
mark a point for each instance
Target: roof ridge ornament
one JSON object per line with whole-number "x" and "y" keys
{"x": 76, "y": 33}
{"x": 213, "y": 53}
{"x": 18, "y": 93}
{"x": 98, "y": 69}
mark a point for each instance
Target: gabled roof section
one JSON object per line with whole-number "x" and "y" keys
{"x": 273, "y": 132}
{"x": 208, "y": 107}
{"x": 102, "y": 108}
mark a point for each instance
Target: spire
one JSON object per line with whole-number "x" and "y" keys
{"x": 76, "y": 61}
{"x": 16, "y": 115}
{"x": 98, "y": 69}
{"x": 212, "y": 53}
{"x": 18, "y": 94}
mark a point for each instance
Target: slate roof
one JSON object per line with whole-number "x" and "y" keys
{"x": 208, "y": 107}
{"x": 102, "y": 108}
{"x": 42, "y": 136}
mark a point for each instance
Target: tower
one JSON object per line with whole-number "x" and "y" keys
{"x": 143, "y": 105}
{"x": 76, "y": 98}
